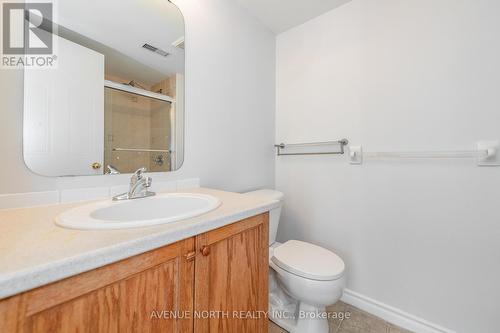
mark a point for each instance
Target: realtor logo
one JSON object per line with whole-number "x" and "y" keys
{"x": 27, "y": 35}
{"x": 27, "y": 28}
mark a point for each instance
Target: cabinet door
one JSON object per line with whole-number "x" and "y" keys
{"x": 146, "y": 293}
{"x": 231, "y": 279}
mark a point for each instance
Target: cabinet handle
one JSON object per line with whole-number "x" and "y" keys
{"x": 190, "y": 256}
{"x": 205, "y": 250}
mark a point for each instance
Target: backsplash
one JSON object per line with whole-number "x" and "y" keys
{"x": 22, "y": 200}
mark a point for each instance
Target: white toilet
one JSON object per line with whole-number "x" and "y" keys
{"x": 303, "y": 279}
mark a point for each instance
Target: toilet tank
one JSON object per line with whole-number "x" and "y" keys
{"x": 274, "y": 214}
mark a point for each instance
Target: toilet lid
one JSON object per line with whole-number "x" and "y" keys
{"x": 308, "y": 260}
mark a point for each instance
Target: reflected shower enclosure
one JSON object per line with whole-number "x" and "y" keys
{"x": 138, "y": 131}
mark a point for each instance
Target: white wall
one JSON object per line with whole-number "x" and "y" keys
{"x": 421, "y": 236}
{"x": 230, "y": 100}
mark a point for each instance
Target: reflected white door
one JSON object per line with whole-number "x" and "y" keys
{"x": 64, "y": 113}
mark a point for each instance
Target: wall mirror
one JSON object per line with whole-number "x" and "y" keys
{"x": 115, "y": 100}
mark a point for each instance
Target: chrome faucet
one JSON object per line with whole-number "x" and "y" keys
{"x": 112, "y": 170}
{"x": 138, "y": 187}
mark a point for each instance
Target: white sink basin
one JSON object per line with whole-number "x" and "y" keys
{"x": 160, "y": 209}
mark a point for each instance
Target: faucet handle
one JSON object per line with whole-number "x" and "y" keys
{"x": 138, "y": 173}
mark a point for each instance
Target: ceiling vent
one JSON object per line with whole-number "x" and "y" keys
{"x": 155, "y": 50}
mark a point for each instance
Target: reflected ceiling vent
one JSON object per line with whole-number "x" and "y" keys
{"x": 179, "y": 43}
{"x": 155, "y": 50}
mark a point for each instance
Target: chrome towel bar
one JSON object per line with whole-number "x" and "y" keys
{"x": 312, "y": 148}
{"x": 143, "y": 150}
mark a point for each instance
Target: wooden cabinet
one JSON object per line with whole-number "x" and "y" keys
{"x": 120, "y": 297}
{"x": 209, "y": 283}
{"x": 231, "y": 278}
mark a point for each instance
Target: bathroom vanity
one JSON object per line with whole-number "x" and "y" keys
{"x": 171, "y": 262}
{"x": 209, "y": 275}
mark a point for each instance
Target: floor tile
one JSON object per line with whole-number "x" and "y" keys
{"x": 273, "y": 328}
{"x": 355, "y": 321}
{"x": 338, "y": 312}
{"x": 362, "y": 322}
{"x": 334, "y": 326}
{"x": 395, "y": 329}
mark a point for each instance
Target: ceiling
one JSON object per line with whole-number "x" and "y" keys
{"x": 281, "y": 15}
{"x": 119, "y": 28}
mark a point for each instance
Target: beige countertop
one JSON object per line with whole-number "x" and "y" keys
{"x": 34, "y": 251}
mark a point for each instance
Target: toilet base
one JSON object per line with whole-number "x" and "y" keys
{"x": 303, "y": 318}
{"x": 291, "y": 300}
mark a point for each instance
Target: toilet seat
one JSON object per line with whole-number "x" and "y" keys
{"x": 308, "y": 261}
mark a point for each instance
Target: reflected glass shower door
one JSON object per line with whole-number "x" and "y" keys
{"x": 137, "y": 132}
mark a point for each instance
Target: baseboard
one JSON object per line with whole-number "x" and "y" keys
{"x": 391, "y": 314}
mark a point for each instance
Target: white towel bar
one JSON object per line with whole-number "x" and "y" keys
{"x": 487, "y": 154}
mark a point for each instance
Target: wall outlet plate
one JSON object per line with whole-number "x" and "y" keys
{"x": 492, "y": 158}
{"x": 356, "y": 154}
